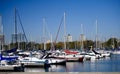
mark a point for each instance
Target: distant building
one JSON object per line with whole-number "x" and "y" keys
{"x": 69, "y": 38}
{"x": 82, "y": 37}
{"x": 48, "y": 41}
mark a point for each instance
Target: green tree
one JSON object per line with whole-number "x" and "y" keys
{"x": 59, "y": 45}
{"x": 88, "y": 43}
{"x": 112, "y": 43}
{"x": 48, "y": 45}
{"x": 71, "y": 45}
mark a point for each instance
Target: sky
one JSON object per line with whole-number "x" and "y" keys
{"x": 86, "y": 12}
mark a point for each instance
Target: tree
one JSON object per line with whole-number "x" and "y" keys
{"x": 59, "y": 45}
{"x": 48, "y": 46}
{"x": 112, "y": 43}
{"x": 71, "y": 45}
{"x": 88, "y": 43}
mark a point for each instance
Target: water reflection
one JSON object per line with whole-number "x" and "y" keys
{"x": 74, "y": 66}
{"x": 109, "y": 64}
{"x": 57, "y": 68}
{"x": 52, "y": 68}
{"x": 35, "y": 70}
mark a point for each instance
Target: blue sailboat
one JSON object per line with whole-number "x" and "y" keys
{"x": 10, "y": 63}
{"x": 9, "y": 58}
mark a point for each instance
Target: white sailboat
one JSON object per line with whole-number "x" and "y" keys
{"x": 96, "y": 41}
{"x": 6, "y": 62}
{"x": 34, "y": 62}
{"x": 113, "y": 47}
{"x": 64, "y": 55}
{"x": 50, "y": 60}
{"x": 83, "y": 53}
{"x": 4, "y": 66}
{"x": 100, "y": 54}
{"x": 92, "y": 53}
{"x": 69, "y": 56}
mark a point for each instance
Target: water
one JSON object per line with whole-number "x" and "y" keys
{"x": 109, "y": 64}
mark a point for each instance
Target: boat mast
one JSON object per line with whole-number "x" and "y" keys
{"x": 82, "y": 36}
{"x": 113, "y": 46}
{"x": 9, "y": 45}
{"x": 82, "y": 28}
{"x": 64, "y": 31}
{"x": 51, "y": 41}
{"x": 15, "y": 26}
{"x": 96, "y": 34}
{"x": 44, "y": 33}
{"x": 1, "y": 32}
{"x": 0, "y": 41}
{"x": 54, "y": 43}
{"x": 41, "y": 42}
{"x": 1, "y": 26}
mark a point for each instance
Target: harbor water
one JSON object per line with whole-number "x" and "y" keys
{"x": 107, "y": 64}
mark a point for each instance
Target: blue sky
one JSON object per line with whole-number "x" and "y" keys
{"x": 85, "y": 12}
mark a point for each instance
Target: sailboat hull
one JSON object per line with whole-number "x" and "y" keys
{"x": 57, "y": 61}
{"x": 12, "y": 68}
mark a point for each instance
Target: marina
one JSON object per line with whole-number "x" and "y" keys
{"x": 59, "y": 36}
{"x": 32, "y": 64}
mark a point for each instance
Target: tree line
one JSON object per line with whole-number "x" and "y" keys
{"x": 111, "y": 43}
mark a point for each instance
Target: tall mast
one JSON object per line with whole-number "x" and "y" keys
{"x": 51, "y": 41}
{"x": 1, "y": 26}
{"x": 82, "y": 36}
{"x": 64, "y": 31}
{"x": 15, "y": 25}
{"x": 0, "y": 31}
{"x": 75, "y": 44}
{"x": 96, "y": 34}
{"x": 1, "y": 42}
{"x": 41, "y": 40}
{"x": 44, "y": 34}
{"x": 9, "y": 45}
{"x": 82, "y": 28}
{"x": 113, "y": 44}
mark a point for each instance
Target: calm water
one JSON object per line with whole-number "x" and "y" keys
{"x": 109, "y": 64}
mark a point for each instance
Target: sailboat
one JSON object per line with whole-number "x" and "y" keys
{"x": 69, "y": 56}
{"x": 83, "y": 53}
{"x": 8, "y": 63}
{"x": 34, "y": 62}
{"x": 46, "y": 56}
{"x": 102, "y": 54}
{"x": 113, "y": 47}
{"x": 29, "y": 61}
